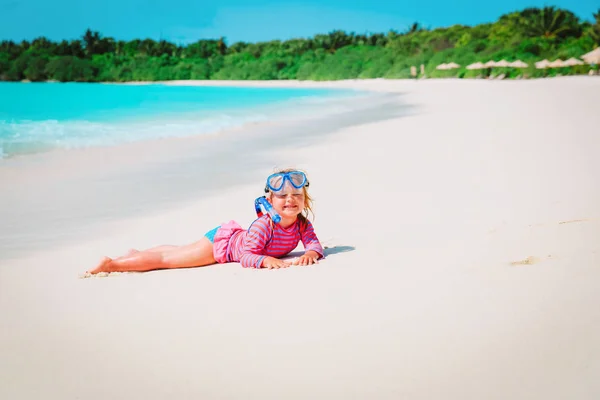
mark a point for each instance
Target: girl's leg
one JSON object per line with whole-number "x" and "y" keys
{"x": 196, "y": 254}
{"x": 157, "y": 248}
{"x": 162, "y": 248}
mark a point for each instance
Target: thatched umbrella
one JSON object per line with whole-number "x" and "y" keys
{"x": 452, "y": 65}
{"x": 443, "y": 66}
{"x": 593, "y": 57}
{"x": 490, "y": 64}
{"x": 477, "y": 65}
{"x": 572, "y": 62}
{"x": 502, "y": 63}
{"x": 518, "y": 64}
{"x": 542, "y": 64}
{"x": 558, "y": 63}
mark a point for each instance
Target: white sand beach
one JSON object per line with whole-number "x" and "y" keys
{"x": 463, "y": 259}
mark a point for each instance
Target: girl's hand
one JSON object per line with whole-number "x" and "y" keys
{"x": 310, "y": 257}
{"x": 274, "y": 263}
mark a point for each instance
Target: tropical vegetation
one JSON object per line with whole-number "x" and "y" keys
{"x": 530, "y": 35}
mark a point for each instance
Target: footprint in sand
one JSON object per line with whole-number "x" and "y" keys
{"x": 528, "y": 261}
{"x": 572, "y": 221}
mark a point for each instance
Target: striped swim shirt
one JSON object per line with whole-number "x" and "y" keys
{"x": 264, "y": 238}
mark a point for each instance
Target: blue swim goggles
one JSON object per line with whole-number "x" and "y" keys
{"x": 276, "y": 182}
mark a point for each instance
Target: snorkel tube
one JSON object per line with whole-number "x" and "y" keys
{"x": 262, "y": 201}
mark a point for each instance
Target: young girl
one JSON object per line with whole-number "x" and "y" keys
{"x": 257, "y": 247}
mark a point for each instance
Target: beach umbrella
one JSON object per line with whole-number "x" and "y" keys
{"x": 452, "y": 65}
{"x": 542, "y": 64}
{"x": 442, "y": 66}
{"x": 518, "y": 64}
{"x": 593, "y": 57}
{"x": 572, "y": 62}
{"x": 558, "y": 63}
{"x": 477, "y": 65}
{"x": 502, "y": 63}
{"x": 490, "y": 64}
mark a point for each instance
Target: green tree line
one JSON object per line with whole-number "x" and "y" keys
{"x": 530, "y": 35}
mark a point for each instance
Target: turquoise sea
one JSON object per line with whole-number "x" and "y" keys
{"x": 37, "y": 117}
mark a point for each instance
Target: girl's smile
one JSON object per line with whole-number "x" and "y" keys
{"x": 288, "y": 205}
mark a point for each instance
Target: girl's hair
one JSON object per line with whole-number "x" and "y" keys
{"x": 303, "y": 216}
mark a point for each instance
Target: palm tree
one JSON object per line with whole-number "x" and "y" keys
{"x": 63, "y": 49}
{"x": 222, "y": 46}
{"x": 378, "y": 39}
{"x": 339, "y": 39}
{"x": 323, "y": 42}
{"x": 550, "y": 23}
{"x": 147, "y": 47}
{"x": 414, "y": 28}
{"x": 76, "y": 48}
{"x": 105, "y": 45}
{"x": 42, "y": 43}
{"x": 91, "y": 40}
{"x": 12, "y": 49}
{"x": 120, "y": 47}
{"x": 296, "y": 46}
{"x": 237, "y": 47}
{"x": 24, "y": 45}
{"x": 164, "y": 47}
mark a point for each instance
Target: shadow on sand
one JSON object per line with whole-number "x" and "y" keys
{"x": 338, "y": 249}
{"x": 327, "y": 250}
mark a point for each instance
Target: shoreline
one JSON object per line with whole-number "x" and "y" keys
{"x": 171, "y": 162}
{"x": 286, "y": 82}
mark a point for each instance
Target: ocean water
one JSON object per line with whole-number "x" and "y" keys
{"x": 37, "y": 117}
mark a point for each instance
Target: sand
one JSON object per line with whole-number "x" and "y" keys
{"x": 462, "y": 263}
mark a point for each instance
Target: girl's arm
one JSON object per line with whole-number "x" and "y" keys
{"x": 254, "y": 243}
{"x": 310, "y": 240}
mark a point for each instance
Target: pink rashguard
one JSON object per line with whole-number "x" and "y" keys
{"x": 263, "y": 238}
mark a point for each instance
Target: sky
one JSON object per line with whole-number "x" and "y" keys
{"x": 186, "y": 21}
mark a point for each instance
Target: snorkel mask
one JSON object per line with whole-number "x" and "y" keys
{"x": 276, "y": 183}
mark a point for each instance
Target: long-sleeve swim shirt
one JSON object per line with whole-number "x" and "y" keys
{"x": 265, "y": 238}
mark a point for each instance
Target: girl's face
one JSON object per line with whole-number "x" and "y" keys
{"x": 288, "y": 203}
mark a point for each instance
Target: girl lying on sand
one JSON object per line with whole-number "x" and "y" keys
{"x": 270, "y": 236}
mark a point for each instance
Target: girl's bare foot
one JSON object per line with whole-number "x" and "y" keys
{"x": 132, "y": 252}
{"x": 103, "y": 266}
